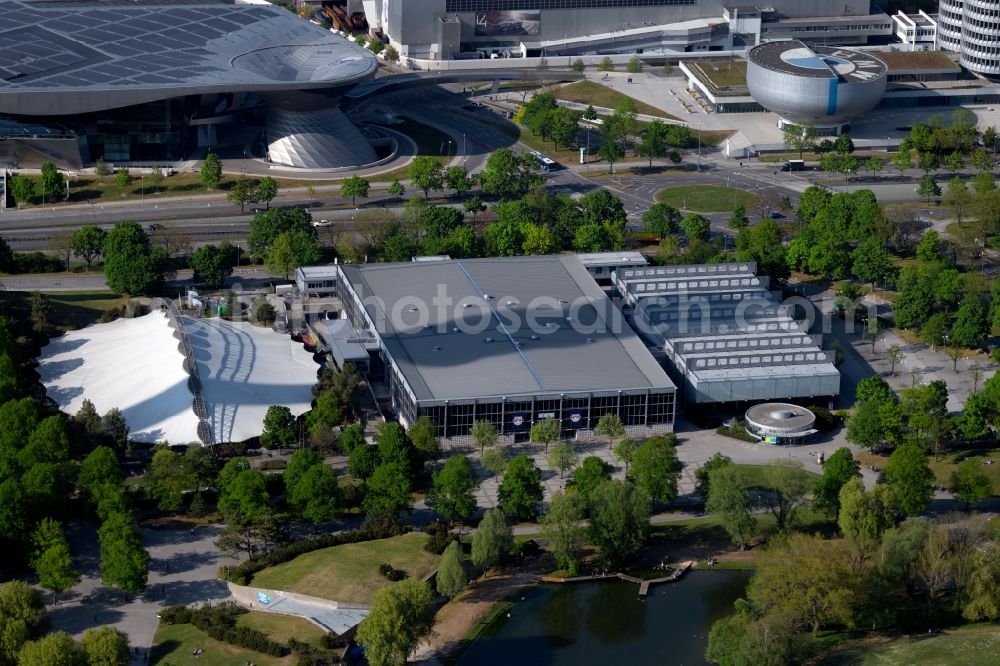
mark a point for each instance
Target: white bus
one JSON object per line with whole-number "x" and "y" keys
{"x": 545, "y": 163}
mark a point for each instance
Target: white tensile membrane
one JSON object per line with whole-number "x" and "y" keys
{"x": 135, "y": 365}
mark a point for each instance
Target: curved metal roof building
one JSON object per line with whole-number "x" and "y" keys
{"x": 820, "y": 85}
{"x": 59, "y": 60}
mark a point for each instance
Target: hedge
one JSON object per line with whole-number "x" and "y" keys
{"x": 243, "y": 573}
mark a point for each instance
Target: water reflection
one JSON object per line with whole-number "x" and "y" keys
{"x": 601, "y": 623}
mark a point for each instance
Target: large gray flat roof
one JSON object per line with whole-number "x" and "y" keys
{"x": 63, "y": 59}
{"x": 597, "y": 352}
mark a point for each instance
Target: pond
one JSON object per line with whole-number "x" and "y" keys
{"x": 607, "y": 623}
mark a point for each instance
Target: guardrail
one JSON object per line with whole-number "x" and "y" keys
{"x": 198, "y": 405}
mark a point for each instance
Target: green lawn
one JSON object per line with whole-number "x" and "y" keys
{"x": 70, "y": 309}
{"x": 590, "y": 92}
{"x": 947, "y": 464}
{"x": 979, "y": 646}
{"x": 282, "y": 627}
{"x": 174, "y": 643}
{"x": 349, "y": 573}
{"x": 704, "y": 198}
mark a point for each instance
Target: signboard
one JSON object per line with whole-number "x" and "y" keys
{"x": 518, "y": 421}
{"x": 546, "y": 415}
{"x": 500, "y": 24}
{"x": 264, "y": 598}
{"x": 576, "y": 418}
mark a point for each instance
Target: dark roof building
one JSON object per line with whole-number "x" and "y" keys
{"x": 172, "y": 76}
{"x": 512, "y": 340}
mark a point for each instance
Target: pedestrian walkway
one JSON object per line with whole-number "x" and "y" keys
{"x": 326, "y": 614}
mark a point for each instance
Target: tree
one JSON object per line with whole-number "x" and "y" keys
{"x": 361, "y": 461}
{"x": 212, "y": 264}
{"x": 590, "y": 113}
{"x": 22, "y": 188}
{"x": 928, "y": 188}
{"x": 656, "y": 469}
{"x": 397, "y": 189}
{"x": 87, "y": 243}
{"x": 957, "y": 197}
{"x": 702, "y": 475}
{"x": 130, "y": 265}
{"x": 388, "y": 492}
{"x": 928, "y": 161}
{"x": 52, "y": 560}
{"x": 589, "y": 475}
{"x": 875, "y": 165}
{"x": 970, "y": 483}
{"x": 739, "y": 219}
{"x": 807, "y": 579}
{"x": 619, "y": 520}
{"x": 291, "y": 250}
{"x": 243, "y": 191}
{"x": 971, "y": 326}
{"x": 654, "y": 142}
{"x": 116, "y": 429}
{"x": 871, "y": 261}
{"x": 170, "y": 476}
{"x": 451, "y": 492}
{"x": 799, "y": 138}
{"x": 316, "y": 494}
{"x": 844, "y": 145}
{"x": 610, "y": 425}
{"x": 391, "y": 55}
{"x": 606, "y": 65}
{"x": 954, "y": 161}
{"x": 423, "y": 436}
{"x": 562, "y": 458}
{"x": 507, "y": 175}
{"x": 902, "y": 160}
{"x": 356, "y": 186}
{"x": 661, "y": 220}
{"x": 562, "y": 528}
{"x": 124, "y": 563}
{"x": 106, "y": 646}
{"x": 634, "y": 65}
{"x": 55, "y": 649}
{"x": 401, "y": 616}
{"x": 838, "y": 469}
{"x": 53, "y": 183}
{"x": 545, "y": 432}
{"x": 426, "y": 174}
{"x": 696, "y": 228}
{"x": 393, "y": 445}
{"x": 729, "y": 497}
{"x": 279, "y": 427}
{"x": 101, "y": 167}
{"x": 98, "y": 468}
{"x": 211, "y": 171}
{"x": 865, "y": 516}
{"x": 22, "y": 618}
{"x": 910, "y": 477}
{"x": 493, "y": 540}
{"x": 611, "y": 150}
{"x": 624, "y": 451}
{"x": 521, "y": 489}
{"x": 983, "y": 589}
{"x": 893, "y": 356}
{"x": 577, "y": 65}
{"x": 787, "y": 486}
{"x": 484, "y": 434}
{"x": 267, "y": 190}
{"x": 457, "y": 178}
{"x": 244, "y": 492}
{"x": 452, "y": 576}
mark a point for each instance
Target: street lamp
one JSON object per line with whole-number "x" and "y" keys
{"x": 699, "y": 146}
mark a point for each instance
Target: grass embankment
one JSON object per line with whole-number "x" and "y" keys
{"x": 173, "y": 644}
{"x": 978, "y": 645}
{"x": 70, "y": 309}
{"x": 705, "y": 198}
{"x": 349, "y": 573}
{"x": 947, "y": 464}
{"x": 590, "y": 92}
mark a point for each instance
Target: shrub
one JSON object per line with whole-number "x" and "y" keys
{"x": 219, "y": 622}
{"x": 825, "y": 419}
{"x": 269, "y": 465}
{"x": 440, "y": 538}
{"x": 390, "y": 572}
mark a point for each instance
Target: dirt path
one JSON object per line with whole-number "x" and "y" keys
{"x": 456, "y": 619}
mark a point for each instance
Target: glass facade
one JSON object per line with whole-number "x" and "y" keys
{"x": 574, "y": 411}
{"x": 522, "y": 5}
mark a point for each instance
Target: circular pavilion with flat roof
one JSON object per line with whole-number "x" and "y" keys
{"x": 780, "y": 423}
